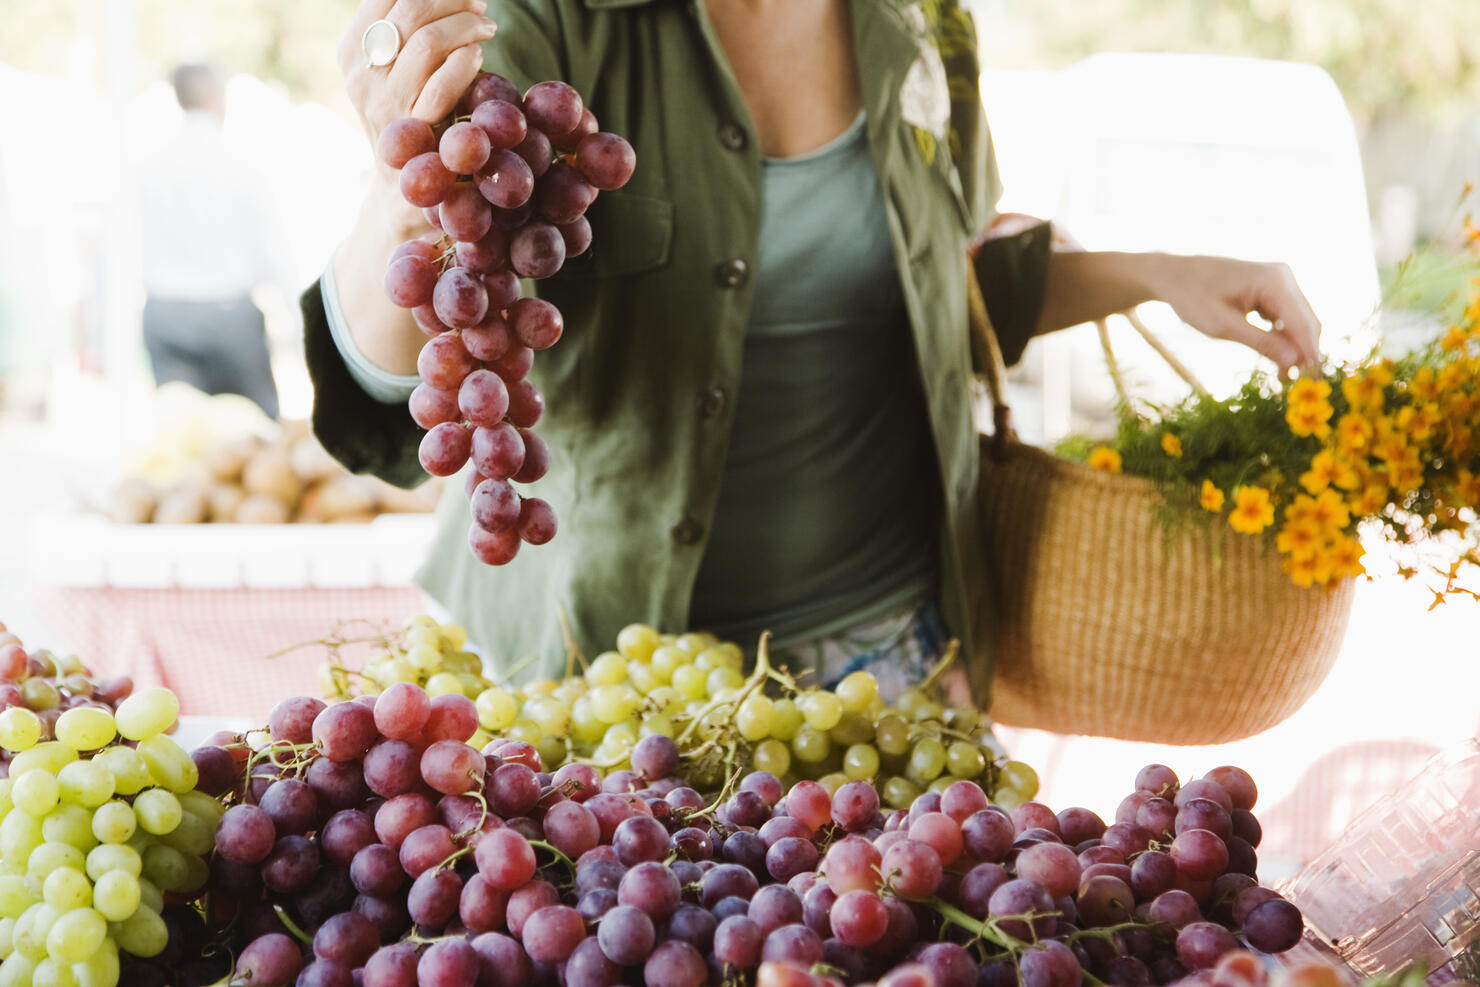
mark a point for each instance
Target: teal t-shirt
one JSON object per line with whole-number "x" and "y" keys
{"x": 828, "y": 505}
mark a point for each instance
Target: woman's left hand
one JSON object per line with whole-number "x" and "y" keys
{"x": 1216, "y": 294}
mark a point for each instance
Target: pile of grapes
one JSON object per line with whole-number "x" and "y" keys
{"x": 368, "y": 843}
{"x": 691, "y": 687}
{"x": 506, "y": 182}
{"x": 101, "y": 820}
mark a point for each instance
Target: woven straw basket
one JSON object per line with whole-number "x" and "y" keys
{"x": 1107, "y": 624}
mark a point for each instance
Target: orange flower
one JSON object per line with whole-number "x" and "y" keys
{"x": 1353, "y": 432}
{"x": 1346, "y": 558}
{"x": 1370, "y": 501}
{"x": 1331, "y": 512}
{"x": 1298, "y": 540}
{"x": 1211, "y": 497}
{"x": 1454, "y": 339}
{"x": 1105, "y": 458}
{"x": 1310, "y": 419}
{"x": 1321, "y": 473}
{"x": 1171, "y": 445}
{"x": 1253, "y": 511}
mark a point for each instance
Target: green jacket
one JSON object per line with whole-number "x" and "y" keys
{"x": 640, "y": 389}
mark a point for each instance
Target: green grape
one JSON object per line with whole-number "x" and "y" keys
{"x": 723, "y": 678}
{"x": 169, "y": 765}
{"x": 541, "y": 687}
{"x": 397, "y": 670}
{"x": 637, "y": 641}
{"x": 892, "y": 735}
{"x": 417, "y": 624}
{"x": 571, "y": 689}
{"x": 116, "y": 895}
{"x": 624, "y": 733}
{"x": 658, "y": 724}
{"x": 607, "y": 668}
{"x": 463, "y": 663}
{"x": 424, "y": 657}
{"x": 899, "y": 792}
{"x": 965, "y": 760}
{"x": 497, "y": 709}
{"x": 549, "y": 714}
{"x": 772, "y": 755}
{"x": 444, "y": 684}
{"x": 52, "y": 972}
{"x": 114, "y": 822}
{"x": 6, "y": 804}
{"x": 101, "y": 969}
{"x": 39, "y": 694}
{"x": 113, "y": 856}
{"x": 963, "y": 718}
{"x": 67, "y": 888}
{"x": 14, "y": 897}
{"x": 821, "y": 710}
{"x": 667, "y": 660}
{"x": 196, "y": 837}
{"x": 70, "y": 824}
{"x": 31, "y": 929}
{"x": 853, "y": 728}
{"x": 860, "y": 762}
{"x": 130, "y": 773}
{"x": 1008, "y": 798}
{"x": 614, "y": 703}
{"x": 832, "y": 781}
{"x": 642, "y": 677}
{"x": 49, "y": 756}
{"x": 471, "y": 684}
{"x": 85, "y": 728}
{"x": 49, "y": 856}
{"x": 150, "y": 897}
{"x": 7, "y": 937}
{"x": 200, "y": 804}
{"x": 1019, "y": 777}
{"x": 552, "y": 751}
{"x": 143, "y": 933}
{"x": 525, "y": 730}
{"x": 927, "y": 711}
{"x": 908, "y": 701}
{"x": 728, "y": 694}
{"x": 86, "y": 784}
{"x": 753, "y": 718}
{"x": 786, "y": 719}
{"x": 18, "y": 970}
{"x": 731, "y": 654}
{"x": 856, "y": 691}
{"x": 695, "y": 643}
{"x": 146, "y": 713}
{"x": 167, "y": 867}
{"x": 927, "y": 760}
{"x": 158, "y": 811}
{"x": 20, "y": 835}
{"x": 666, "y": 700}
{"x": 454, "y": 636}
{"x": 939, "y": 785}
{"x": 585, "y": 726}
{"x": 811, "y": 745}
{"x": 36, "y": 793}
{"x": 690, "y": 681}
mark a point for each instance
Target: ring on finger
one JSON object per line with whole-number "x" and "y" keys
{"x": 381, "y": 43}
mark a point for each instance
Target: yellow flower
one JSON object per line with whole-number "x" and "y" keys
{"x": 1346, "y": 558}
{"x": 1253, "y": 512}
{"x": 1467, "y": 488}
{"x": 1353, "y": 432}
{"x": 1298, "y": 540}
{"x": 1454, "y": 339}
{"x": 1371, "y": 500}
{"x": 1211, "y": 497}
{"x": 1314, "y": 568}
{"x": 1425, "y": 385}
{"x": 1322, "y": 471}
{"x": 1344, "y": 474}
{"x": 1310, "y": 418}
{"x": 1365, "y": 388}
{"x": 1309, "y": 390}
{"x": 1331, "y": 512}
{"x": 1301, "y": 509}
{"x": 1171, "y": 445}
{"x": 1105, "y": 458}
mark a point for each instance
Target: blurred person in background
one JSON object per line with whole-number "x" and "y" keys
{"x": 206, "y": 245}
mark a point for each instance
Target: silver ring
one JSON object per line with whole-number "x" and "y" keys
{"x": 1279, "y": 325}
{"x": 381, "y": 43}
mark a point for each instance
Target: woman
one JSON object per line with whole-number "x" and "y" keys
{"x": 761, "y": 408}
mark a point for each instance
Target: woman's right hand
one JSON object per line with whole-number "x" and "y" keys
{"x": 440, "y": 57}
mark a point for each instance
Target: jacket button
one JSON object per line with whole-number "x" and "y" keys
{"x": 712, "y": 403}
{"x": 732, "y": 137}
{"x": 732, "y": 273}
{"x": 687, "y": 531}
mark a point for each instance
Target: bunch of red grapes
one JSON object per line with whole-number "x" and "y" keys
{"x": 506, "y": 183}
{"x": 371, "y": 845}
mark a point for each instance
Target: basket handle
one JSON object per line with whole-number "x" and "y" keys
{"x": 987, "y": 352}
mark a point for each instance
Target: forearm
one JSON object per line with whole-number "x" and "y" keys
{"x": 383, "y": 332}
{"x": 1083, "y": 286}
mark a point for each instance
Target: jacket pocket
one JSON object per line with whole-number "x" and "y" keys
{"x": 630, "y": 233}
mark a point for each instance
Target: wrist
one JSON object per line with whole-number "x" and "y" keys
{"x": 1153, "y": 275}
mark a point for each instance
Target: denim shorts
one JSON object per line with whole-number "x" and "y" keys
{"x": 898, "y": 649}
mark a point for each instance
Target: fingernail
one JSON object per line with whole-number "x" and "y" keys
{"x": 480, "y": 6}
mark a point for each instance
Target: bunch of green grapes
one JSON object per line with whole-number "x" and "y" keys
{"x": 94, "y": 832}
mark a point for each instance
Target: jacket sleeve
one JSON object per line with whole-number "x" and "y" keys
{"x": 1012, "y": 269}
{"x": 364, "y": 434}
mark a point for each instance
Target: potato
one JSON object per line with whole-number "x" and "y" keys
{"x": 345, "y": 495}
{"x": 311, "y": 506}
{"x": 394, "y": 500}
{"x": 269, "y": 472}
{"x": 311, "y": 461}
{"x": 133, "y": 501}
{"x": 184, "y": 504}
{"x": 223, "y": 500}
{"x": 262, "y": 509}
{"x": 228, "y": 458}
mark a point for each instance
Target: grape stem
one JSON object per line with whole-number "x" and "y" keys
{"x": 477, "y": 796}
{"x": 292, "y": 926}
{"x": 455, "y": 856}
{"x": 554, "y": 851}
{"x": 988, "y": 929}
{"x": 573, "y": 654}
{"x": 762, "y": 672}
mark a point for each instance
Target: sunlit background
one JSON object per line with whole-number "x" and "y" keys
{"x": 1337, "y": 135}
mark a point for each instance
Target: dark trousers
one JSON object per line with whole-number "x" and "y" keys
{"x": 218, "y": 347}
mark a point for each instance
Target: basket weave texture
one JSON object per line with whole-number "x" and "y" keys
{"x": 1107, "y": 624}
